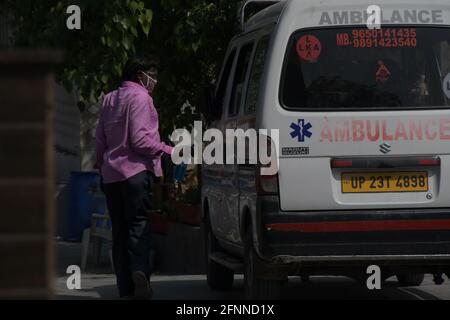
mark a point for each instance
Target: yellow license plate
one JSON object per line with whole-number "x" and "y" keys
{"x": 373, "y": 182}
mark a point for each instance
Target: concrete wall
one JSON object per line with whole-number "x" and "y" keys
{"x": 67, "y": 134}
{"x": 67, "y": 151}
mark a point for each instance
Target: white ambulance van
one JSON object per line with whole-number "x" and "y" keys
{"x": 364, "y": 145}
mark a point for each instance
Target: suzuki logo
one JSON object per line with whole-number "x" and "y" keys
{"x": 385, "y": 148}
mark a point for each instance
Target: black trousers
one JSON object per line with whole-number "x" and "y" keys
{"x": 128, "y": 204}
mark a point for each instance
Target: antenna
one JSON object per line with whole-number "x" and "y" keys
{"x": 251, "y": 7}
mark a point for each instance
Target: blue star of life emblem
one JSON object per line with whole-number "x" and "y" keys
{"x": 301, "y": 130}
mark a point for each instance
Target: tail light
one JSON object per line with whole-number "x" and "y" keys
{"x": 429, "y": 162}
{"x": 266, "y": 185}
{"x": 341, "y": 163}
{"x": 386, "y": 162}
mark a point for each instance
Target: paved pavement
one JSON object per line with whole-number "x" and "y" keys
{"x": 99, "y": 283}
{"x": 194, "y": 288}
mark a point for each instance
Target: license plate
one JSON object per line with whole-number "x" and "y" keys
{"x": 375, "y": 182}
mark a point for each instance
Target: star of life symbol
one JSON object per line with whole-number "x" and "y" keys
{"x": 301, "y": 130}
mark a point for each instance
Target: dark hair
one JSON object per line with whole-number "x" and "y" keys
{"x": 138, "y": 63}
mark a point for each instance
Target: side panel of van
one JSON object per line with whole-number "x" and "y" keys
{"x": 225, "y": 217}
{"x": 230, "y": 188}
{"x": 213, "y": 174}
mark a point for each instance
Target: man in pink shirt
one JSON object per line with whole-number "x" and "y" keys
{"x": 129, "y": 151}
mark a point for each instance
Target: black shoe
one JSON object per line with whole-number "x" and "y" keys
{"x": 142, "y": 289}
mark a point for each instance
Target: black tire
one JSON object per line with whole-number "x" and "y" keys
{"x": 258, "y": 288}
{"x": 219, "y": 278}
{"x": 410, "y": 279}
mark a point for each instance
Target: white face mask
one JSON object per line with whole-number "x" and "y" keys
{"x": 151, "y": 83}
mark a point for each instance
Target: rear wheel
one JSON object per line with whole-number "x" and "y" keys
{"x": 256, "y": 287}
{"x": 219, "y": 278}
{"x": 410, "y": 279}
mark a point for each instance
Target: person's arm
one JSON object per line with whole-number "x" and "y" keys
{"x": 143, "y": 128}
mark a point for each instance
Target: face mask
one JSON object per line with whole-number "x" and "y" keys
{"x": 151, "y": 83}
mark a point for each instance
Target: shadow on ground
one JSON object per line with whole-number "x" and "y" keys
{"x": 98, "y": 282}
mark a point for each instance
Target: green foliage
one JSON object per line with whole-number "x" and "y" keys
{"x": 191, "y": 38}
{"x": 94, "y": 55}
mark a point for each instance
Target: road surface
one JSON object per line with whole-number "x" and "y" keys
{"x": 102, "y": 286}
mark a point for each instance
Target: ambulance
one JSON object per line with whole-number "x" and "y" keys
{"x": 360, "y": 95}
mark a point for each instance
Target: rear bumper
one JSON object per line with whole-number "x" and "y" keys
{"x": 386, "y": 237}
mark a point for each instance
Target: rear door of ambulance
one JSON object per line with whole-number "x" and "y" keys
{"x": 364, "y": 124}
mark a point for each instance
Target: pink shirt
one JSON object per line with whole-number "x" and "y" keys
{"x": 127, "y": 138}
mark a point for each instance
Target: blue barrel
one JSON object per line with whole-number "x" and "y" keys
{"x": 180, "y": 172}
{"x": 85, "y": 198}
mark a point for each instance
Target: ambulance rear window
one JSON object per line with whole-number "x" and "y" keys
{"x": 362, "y": 69}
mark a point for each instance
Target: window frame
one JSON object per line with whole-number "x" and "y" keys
{"x": 231, "y": 53}
{"x": 250, "y": 41}
{"x": 264, "y": 37}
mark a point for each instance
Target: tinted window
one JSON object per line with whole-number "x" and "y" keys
{"x": 366, "y": 69}
{"x": 222, "y": 87}
{"x": 256, "y": 75}
{"x": 239, "y": 79}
